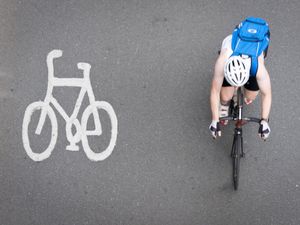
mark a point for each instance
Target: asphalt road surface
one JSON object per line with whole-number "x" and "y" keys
{"x": 153, "y": 62}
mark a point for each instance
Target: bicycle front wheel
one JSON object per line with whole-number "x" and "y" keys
{"x": 108, "y": 109}
{"x": 236, "y": 168}
{"x": 236, "y": 155}
{"x": 30, "y": 110}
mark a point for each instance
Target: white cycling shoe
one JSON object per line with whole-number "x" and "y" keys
{"x": 223, "y": 112}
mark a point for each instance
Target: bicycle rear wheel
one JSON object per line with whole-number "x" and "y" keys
{"x": 30, "y": 110}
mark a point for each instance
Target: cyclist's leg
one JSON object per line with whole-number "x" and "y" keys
{"x": 226, "y": 95}
{"x": 251, "y": 90}
{"x": 227, "y": 92}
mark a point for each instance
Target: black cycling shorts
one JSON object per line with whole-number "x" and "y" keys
{"x": 251, "y": 84}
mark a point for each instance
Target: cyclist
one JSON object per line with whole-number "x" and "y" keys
{"x": 237, "y": 65}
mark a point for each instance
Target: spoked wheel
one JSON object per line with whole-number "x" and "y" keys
{"x": 236, "y": 155}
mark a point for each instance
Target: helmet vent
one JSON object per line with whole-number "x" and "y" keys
{"x": 236, "y": 76}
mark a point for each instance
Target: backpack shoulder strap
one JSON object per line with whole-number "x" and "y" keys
{"x": 254, "y": 66}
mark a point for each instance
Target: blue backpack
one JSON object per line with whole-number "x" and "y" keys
{"x": 251, "y": 37}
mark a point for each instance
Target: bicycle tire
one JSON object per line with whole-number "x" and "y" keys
{"x": 236, "y": 165}
{"x": 25, "y": 138}
{"x": 93, "y": 156}
{"x": 236, "y": 162}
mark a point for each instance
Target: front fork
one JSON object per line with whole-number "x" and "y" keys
{"x": 237, "y": 144}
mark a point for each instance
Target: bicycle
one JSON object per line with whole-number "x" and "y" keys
{"x": 237, "y": 150}
{"x": 82, "y": 132}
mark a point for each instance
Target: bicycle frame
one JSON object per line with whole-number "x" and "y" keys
{"x": 240, "y": 120}
{"x": 86, "y": 87}
{"x": 237, "y": 150}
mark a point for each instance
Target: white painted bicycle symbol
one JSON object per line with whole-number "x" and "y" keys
{"x": 82, "y": 133}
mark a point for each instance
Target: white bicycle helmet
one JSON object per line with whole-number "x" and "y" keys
{"x": 237, "y": 70}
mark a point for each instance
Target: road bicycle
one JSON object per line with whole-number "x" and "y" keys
{"x": 237, "y": 150}
{"x": 82, "y": 132}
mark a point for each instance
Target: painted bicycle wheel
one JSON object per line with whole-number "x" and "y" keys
{"x": 108, "y": 109}
{"x": 30, "y": 110}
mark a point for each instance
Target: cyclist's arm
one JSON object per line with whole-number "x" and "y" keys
{"x": 264, "y": 83}
{"x": 216, "y": 84}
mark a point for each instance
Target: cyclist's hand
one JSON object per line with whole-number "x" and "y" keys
{"x": 264, "y": 129}
{"x": 215, "y": 129}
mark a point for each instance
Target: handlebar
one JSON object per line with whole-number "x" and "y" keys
{"x": 241, "y": 122}
{"x": 56, "y": 53}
